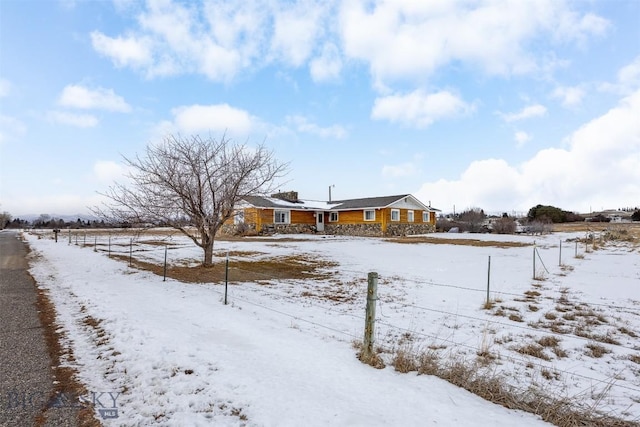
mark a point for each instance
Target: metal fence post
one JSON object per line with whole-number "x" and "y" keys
{"x": 164, "y": 278}
{"x": 488, "y": 278}
{"x": 226, "y": 278}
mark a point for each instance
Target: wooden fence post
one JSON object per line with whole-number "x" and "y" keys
{"x": 370, "y": 317}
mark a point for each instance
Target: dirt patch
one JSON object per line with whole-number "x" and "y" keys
{"x": 66, "y": 382}
{"x": 460, "y": 242}
{"x": 301, "y": 267}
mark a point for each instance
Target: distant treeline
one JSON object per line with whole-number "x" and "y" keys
{"x": 53, "y": 223}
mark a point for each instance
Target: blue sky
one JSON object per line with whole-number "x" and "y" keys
{"x": 500, "y": 105}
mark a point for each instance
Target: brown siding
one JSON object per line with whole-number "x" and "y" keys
{"x": 302, "y": 217}
{"x": 356, "y": 217}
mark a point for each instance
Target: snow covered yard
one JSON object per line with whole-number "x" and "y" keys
{"x": 282, "y": 352}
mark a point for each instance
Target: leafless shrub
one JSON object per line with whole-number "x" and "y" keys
{"x": 533, "y": 350}
{"x": 516, "y": 317}
{"x": 550, "y": 375}
{"x": 404, "y": 360}
{"x": 549, "y": 341}
{"x": 504, "y": 225}
{"x": 627, "y": 331}
{"x": 559, "y": 352}
{"x": 596, "y": 350}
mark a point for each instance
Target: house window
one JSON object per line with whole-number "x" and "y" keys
{"x": 395, "y": 214}
{"x": 333, "y": 216}
{"x": 425, "y": 217}
{"x": 410, "y": 216}
{"x": 238, "y": 218}
{"x": 281, "y": 217}
{"x": 370, "y": 215}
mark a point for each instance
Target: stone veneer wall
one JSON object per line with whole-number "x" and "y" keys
{"x": 409, "y": 229}
{"x": 367, "y": 230}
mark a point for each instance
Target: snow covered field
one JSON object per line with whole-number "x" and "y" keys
{"x": 281, "y": 353}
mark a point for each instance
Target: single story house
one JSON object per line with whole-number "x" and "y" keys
{"x": 373, "y": 216}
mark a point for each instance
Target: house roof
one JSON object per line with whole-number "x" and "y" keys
{"x": 272, "y": 202}
{"x": 337, "y": 205}
{"x": 369, "y": 202}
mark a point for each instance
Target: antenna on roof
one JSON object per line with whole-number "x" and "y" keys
{"x": 331, "y": 186}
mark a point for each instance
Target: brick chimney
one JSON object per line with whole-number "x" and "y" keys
{"x": 289, "y": 196}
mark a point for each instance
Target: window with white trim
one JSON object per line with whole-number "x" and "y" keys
{"x": 369, "y": 215}
{"x": 426, "y": 217}
{"x": 395, "y": 214}
{"x": 410, "y": 216}
{"x": 333, "y": 216}
{"x": 281, "y": 217}
{"x": 238, "y": 218}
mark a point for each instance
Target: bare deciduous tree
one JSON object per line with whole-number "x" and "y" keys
{"x": 474, "y": 218}
{"x": 5, "y": 219}
{"x": 192, "y": 184}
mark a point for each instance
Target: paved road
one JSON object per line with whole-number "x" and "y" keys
{"x": 26, "y": 378}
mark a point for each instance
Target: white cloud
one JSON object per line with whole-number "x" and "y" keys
{"x": 627, "y": 79}
{"x": 5, "y": 87}
{"x": 72, "y": 119}
{"x": 601, "y": 167}
{"x": 400, "y": 171}
{"x": 107, "y": 171}
{"x": 128, "y": 51}
{"x": 570, "y": 96}
{"x": 302, "y": 124}
{"x": 296, "y": 29}
{"x": 403, "y": 39}
{"x": 214, "y": 118}
{"x": 76, "y": 96}
{"x": 528, "y": 112}
{"x": 328, "y": 65}
{"x": 521, "y": 138}
{"x": 10, "y": 128}
{"x": 419, "y": 109}
{"x": 394, "y": 39}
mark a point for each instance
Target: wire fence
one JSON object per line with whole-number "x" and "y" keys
{"x": 137, "y": 250}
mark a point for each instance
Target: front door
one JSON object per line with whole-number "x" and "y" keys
{"x": 320, "y": 221}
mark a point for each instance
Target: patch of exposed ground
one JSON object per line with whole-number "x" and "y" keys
{"x": 461, "y": 242}
{"x": 300, "y": 267}
{"x": 66, "y": 382}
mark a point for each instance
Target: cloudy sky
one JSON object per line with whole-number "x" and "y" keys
{"x": 500, "y": 105}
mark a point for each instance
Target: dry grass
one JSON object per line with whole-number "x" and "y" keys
{"x": 461, "y": 242}
{"x": 549, "y": 341}
{"x": 65, "y": 377}
{"x": 301, "y": 267}
{"x": 516, "y": 317}
{"x": 533, "y": 350}
{"x": 596, "y": 350}
{"x": 487, "y": 383}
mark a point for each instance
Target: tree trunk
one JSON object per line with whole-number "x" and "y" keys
{"x": 208, "y": 255}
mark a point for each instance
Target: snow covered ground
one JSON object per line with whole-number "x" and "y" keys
{"x": 281, "y": 354}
